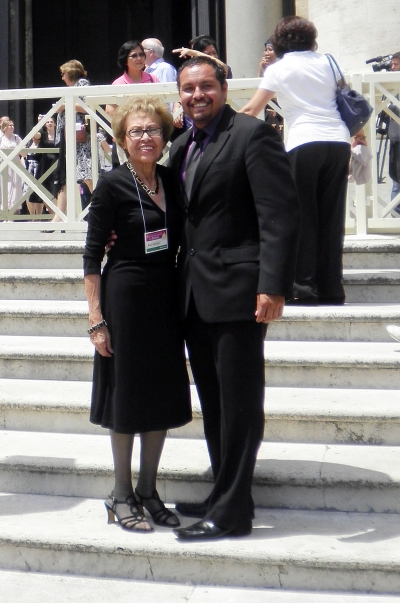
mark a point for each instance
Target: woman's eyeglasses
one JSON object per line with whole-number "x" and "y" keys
{"x": 139, "y": 133}
{"x": 136, "y": 55}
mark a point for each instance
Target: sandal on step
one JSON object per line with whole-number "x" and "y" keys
{"x": 161, "y": 516}
{"x": 129, "y": 522}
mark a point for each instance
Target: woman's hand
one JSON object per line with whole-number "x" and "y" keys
{"x": 262, "y": 67}
{"x": 178, "y": 120}
{"x": 102, "y": 342}
{"x": 187, "y": 52}
{"x": 100, "y": 337}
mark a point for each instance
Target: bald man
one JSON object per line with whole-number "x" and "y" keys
{"x": 155, "y": 64}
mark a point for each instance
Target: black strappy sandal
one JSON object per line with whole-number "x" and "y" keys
{"x": 130, "y": 522}
{"x": 162, "y": 515}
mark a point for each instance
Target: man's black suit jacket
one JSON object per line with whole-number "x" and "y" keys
{"x": 243, "y": 217}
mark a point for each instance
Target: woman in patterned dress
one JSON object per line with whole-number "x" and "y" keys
{"x": 72, "y": 74}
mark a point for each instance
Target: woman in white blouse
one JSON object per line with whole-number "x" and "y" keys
{"x": 318, "y": 143}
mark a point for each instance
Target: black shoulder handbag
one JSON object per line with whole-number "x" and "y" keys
{"x": 354, "y": 109}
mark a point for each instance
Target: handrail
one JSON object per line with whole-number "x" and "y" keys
{"x": 367, "y": 213}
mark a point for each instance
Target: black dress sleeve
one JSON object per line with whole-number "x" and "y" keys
{"x": 101, "y": 219}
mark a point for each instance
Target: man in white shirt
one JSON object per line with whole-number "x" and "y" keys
{"x": 155, "y": 64}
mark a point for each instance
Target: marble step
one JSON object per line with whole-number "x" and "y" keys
{"x": 361, "y": 285}
{"x": 42, "y": 284}
{"x": 332, "y": 364}
{"x": 288, "y": 364}
{"x": 372, "y": 285}
{"x": 288, "y": 550}
{"x": 313, "y": 415}
{"x": 41, "y": 254}
{"x": 352, "y": 322}
{"x": 59, "y": 358}
{"x": 53, "y": 318}
{"x": 371, "y": 252}
{"x": 34, "y": 587}
{"x": 57, "y": 250}
{"x": 288, "y": 475}
{"x": 22, "y": 235}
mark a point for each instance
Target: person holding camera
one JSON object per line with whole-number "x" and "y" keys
{"x": 394, "y": 137}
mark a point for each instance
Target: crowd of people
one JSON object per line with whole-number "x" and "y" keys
{"x": 140, "y": 62}
{"x": 206, "y": 252}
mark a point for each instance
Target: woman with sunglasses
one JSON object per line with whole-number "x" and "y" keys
{"x": 131, "y": 58}
{"x": 140, "y": 382}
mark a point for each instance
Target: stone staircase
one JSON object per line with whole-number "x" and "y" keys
{"x": 327, "y": 481}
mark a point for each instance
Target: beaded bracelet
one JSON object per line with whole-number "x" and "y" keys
{"x": 97, "y": 327}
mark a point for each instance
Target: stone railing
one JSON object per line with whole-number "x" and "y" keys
{"x": 369, "y": 209}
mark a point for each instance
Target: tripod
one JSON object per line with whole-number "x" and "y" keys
{"x": 382, "y": 127}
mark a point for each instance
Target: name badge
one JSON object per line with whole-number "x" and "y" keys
{"x": 156, "y": 240}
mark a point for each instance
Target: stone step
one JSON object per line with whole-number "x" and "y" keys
{"x": 371, "y": 252}
{"x": 53, "y": 318}
{"x": 372, "y": 285}
{"x": 361, "y": 285}
{"x": 41, "y": 284}
{"x": 308, "y": 415}
{"x": 57, "y": 250}
{"x": 287, "y": 549}
{"x": 41, "y": 254}
{"x": 288, "y": 364}
{"x": 294, "y": 476}
{"x": 55, "y": 358}
{"x": 34, "y": 587}
{"x": 332, "y": 364}
{"x": 352, "y": 322}
{"x": 24, "y": 235}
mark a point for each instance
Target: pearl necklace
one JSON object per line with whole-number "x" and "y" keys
{"x": 142, "y": 184}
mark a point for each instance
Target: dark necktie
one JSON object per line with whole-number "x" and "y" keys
{"x": 192, "y": 160}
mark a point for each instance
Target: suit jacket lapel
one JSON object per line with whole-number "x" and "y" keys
{"x": 176, "y": 162}
{"x": 214, "y": 147}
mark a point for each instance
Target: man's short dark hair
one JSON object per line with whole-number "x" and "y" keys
{"x": 396, "y": 55}
{"x": 219, "y": 71}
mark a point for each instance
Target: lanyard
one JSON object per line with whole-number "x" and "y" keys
{"x": 156, "y": 240}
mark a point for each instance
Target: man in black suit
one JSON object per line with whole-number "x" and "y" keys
{"x": 236, "y": 266}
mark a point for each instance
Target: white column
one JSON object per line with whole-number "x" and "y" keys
{"x": 248, "y": 25}
{"x": 356, "y": 31}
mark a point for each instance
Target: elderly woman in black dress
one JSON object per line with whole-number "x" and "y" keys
{"x": 140, "y": 382}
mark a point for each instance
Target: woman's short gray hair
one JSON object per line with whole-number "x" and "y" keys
{"x": 147, "y": 105}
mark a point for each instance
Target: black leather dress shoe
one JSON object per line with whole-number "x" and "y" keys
{"x": 192, "y": 509}
{"x": 198, "y": 509}
{"x": 206, "y": 530}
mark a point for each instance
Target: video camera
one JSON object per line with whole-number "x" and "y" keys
{"x": 381, "y": 62}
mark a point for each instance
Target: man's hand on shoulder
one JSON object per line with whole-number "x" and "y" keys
{"x": 112, "y": 237}
{"x": 269, "y": 307}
